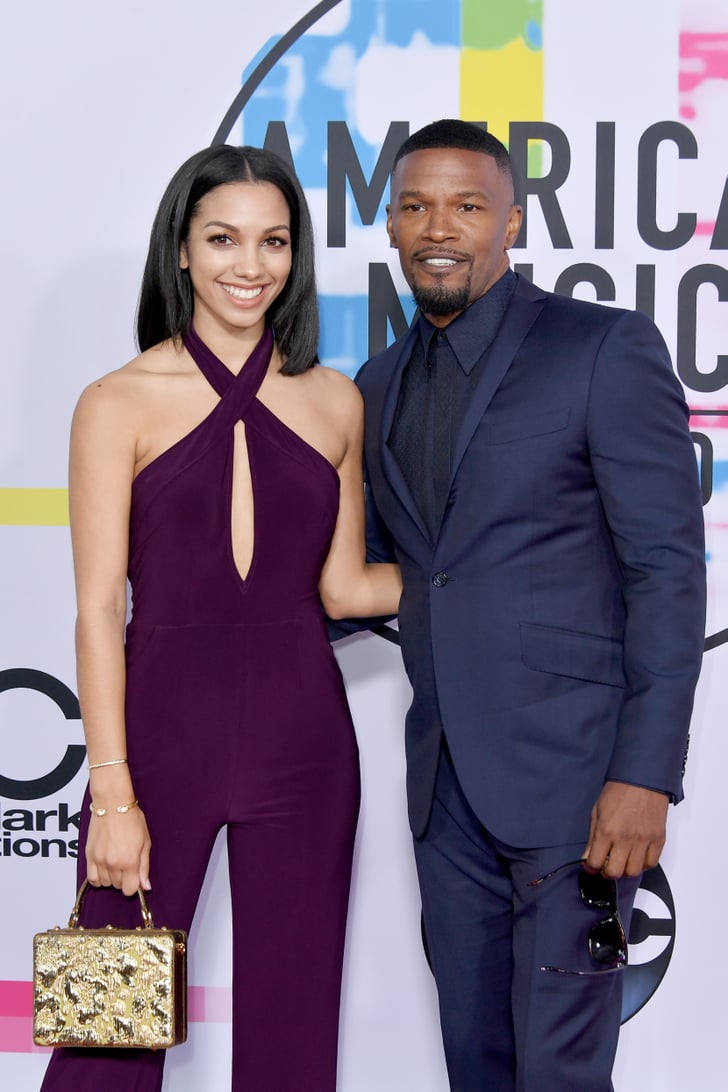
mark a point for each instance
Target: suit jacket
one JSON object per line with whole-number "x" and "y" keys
{"x": 555, "y": 627}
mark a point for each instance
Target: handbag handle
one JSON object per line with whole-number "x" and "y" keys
{"x": 73, "y": 920}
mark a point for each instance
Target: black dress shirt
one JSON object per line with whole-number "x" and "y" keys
{"x": 437, "y": 385}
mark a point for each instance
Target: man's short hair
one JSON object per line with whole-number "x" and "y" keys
{"x": 454, "y": 133}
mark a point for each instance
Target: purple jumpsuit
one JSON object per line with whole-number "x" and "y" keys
{"x": 237, "y": 717}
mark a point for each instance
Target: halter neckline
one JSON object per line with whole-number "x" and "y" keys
{"x": 219, "y": 376}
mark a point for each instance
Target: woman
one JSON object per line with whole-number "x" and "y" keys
{"x": 221, "y": 470}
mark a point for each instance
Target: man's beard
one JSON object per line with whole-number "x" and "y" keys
{"x": 440, "y": 300}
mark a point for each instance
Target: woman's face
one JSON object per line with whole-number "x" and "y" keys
{"x": 238, "y": 253}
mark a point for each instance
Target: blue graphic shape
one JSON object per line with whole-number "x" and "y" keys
{"x": 534, "y": 35}
{"x": 720, "y": 475}
{"x": 345, "y": 330}
{"x": 314, "y": 81}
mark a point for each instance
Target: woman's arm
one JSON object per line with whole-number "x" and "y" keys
{"x": 349, "y": 586}
{"x": 101, "y": 470}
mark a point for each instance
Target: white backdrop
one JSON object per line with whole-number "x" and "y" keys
{"x": 101, "y": 104}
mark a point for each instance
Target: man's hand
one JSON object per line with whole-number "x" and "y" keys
{"x": 627, "y": 832}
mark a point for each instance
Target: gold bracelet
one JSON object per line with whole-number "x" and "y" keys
{"x": 113, "y": 762}
{"x": 122, "y": 808}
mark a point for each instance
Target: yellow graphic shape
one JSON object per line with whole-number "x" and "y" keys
{"x": 34, "y": 507}
{"x": 500, "y": 86}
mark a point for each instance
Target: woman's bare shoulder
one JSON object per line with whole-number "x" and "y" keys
{"x": 340, "y": 393}
{"x": 120, "y": 391}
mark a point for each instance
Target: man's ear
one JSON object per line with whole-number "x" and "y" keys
{"x": 390, "y": 229}
{"x": 515, "y": 219}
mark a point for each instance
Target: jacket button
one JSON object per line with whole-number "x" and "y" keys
{"x": 439, "y": 580}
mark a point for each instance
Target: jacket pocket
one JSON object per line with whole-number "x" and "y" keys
{"x": 539, "y": 424}
{"x": 576, "y": 655}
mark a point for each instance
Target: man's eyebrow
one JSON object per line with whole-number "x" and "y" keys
{"x": 461, "y": 194}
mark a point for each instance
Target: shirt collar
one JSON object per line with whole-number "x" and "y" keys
{"x": 472, "y": 332}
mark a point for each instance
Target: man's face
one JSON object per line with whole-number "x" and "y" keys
{"x": 453, "y": 220}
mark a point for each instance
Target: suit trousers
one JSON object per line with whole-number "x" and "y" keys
{"x": 508, "y": 1025}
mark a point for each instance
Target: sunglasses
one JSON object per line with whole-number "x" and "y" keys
{"x": 607, "y": 939}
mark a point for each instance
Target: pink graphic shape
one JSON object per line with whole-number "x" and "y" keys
{"x": 205, "y": 1005}
{"x": 702, "y": 57}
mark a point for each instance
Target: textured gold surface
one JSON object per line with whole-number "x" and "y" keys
{"x": 111, "y": 988}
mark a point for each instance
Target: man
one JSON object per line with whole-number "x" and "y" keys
{"x": 530, "y": 466}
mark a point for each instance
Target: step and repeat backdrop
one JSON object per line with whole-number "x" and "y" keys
{"x": 615, "y": 116}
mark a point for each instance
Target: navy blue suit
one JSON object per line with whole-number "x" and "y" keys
{"x": 555, "y": 627}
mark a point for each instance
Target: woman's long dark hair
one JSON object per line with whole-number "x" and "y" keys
{"x": 166, "y": 300}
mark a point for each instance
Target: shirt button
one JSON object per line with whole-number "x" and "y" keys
{"x": 439, "y": 580}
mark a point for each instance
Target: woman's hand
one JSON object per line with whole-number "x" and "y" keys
{"x": 117, "y": 850}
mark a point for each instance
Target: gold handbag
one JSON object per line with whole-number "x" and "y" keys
{"x": 110, "y": 987}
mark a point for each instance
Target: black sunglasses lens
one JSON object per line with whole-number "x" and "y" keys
{"x": 598, "y": 891}
{"x": 607, "y": 943}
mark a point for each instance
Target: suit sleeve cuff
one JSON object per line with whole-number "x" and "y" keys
{"x": 652, "y": 788}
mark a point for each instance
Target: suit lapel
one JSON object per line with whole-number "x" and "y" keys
{"x": 520, "y": 316}
{"x": 390, "y": 465}
{"x": 523, "y": 311}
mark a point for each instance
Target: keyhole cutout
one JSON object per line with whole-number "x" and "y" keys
{"x": 242, "y": 515}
